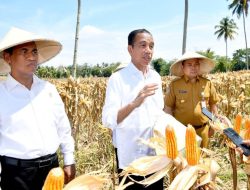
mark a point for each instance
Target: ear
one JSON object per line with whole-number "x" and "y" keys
{"x": 6, "y": 57}
{"x": 182, "y": 67}
{"x": 130, "y": 49}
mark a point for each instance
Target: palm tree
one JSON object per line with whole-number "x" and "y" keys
{"x": 240, "y": 7}
{"x": 185, "y": 28}
{"x": 76, "y": 39}
{"x": 226, "y": 28}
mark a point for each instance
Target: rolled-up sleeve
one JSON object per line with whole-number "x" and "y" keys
{"x": 112, "y": 104}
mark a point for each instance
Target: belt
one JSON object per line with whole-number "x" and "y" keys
{"x": 200, "y": 126}
{"x": 37, "y": 162}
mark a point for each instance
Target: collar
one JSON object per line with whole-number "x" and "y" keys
{"x": 12, "y": 83}
{"x": 137, "y": 72}
{"x": 187, "y": 79}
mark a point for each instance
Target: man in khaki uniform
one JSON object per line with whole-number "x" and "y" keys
{"x": 190, "y": 92}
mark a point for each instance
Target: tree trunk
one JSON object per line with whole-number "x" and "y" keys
{"x": 76, "y": 39}
{"x": 185, "y": 28}
{"x": 244, "y": 24}
{"x": 227, "y": 65}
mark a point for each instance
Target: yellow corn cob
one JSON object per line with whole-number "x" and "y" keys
{"x": 54, "y": 180}
{"x": 171, "y": 144}
{"x": 237, "y": 123}
{"x": 192, "y": 150}
{"x": 247, "y": 124}
{"x": 247, "y": 134}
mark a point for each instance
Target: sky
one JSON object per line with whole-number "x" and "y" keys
{"x": 105, "y": 25}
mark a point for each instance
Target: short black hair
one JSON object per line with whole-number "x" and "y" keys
{"x": 9, "y": 50}
{"x": 132, "y": 35}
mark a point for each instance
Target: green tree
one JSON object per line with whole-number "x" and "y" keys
{"x": 220, "y": 64}
{"x": 239, "y": 58}
{"x": 208, "y": 53}
{"x": 158, "y": 64}
{"x": 226, "y": 28}
{"x": 96, "y": 71}
{"x": 166, "y": 68}
{"x": 240, "y": 7}
{"x": 184, "y": 41}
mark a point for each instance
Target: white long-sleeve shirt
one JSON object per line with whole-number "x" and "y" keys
{"x": 33, "y": 123}
{"x": 123, "y": 87}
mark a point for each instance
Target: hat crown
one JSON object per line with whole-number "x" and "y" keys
{"x": 15, "y": 36}
{"x": 47, "y": 48}
{"x": 206, "y": 64}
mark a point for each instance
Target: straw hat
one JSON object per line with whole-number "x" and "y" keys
{"x": 47, "y": 48}
{"x": 206, "y": 64}
{"x": 121, "y": 66}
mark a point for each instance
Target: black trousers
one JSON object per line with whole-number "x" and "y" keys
{"x": 26, "y": 174}
{"x": 155, "y": 186}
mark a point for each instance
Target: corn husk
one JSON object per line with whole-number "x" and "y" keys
{"x": 185, "y": 179}
{"x": 148, "y": 165}
{"x": 180, "y": 129}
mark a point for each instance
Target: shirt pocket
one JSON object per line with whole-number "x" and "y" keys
{"x": 182, "y": 101}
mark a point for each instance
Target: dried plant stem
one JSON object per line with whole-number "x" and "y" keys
{"x": 232, "y": 156}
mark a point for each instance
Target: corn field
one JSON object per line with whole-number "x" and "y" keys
{"x": 84, "y": 99}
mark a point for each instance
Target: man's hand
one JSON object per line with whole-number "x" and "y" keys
{"x": 148, "y": 90}
{"x": 246, "y": 142}
{"x": 69, "y": 173}
{"x": 224, "y": 120}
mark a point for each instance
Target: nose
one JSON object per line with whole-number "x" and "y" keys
{"x": 31, "y": 56}
{"x": 148, "y": 49}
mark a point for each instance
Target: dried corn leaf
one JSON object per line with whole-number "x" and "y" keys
{"x": 85, "y": 182}
{"x": 147, "y": 165}
{"x": 155, "y": 177}
{"x": 185, "y": 179}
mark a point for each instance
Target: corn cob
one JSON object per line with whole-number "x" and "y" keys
{"x": 247, "y": 134}
{"x": 192, "y": 150}
{"x": 54, "y": 180}
{"x": 171, "y": 144}
{"x": 237, "y": 123}
{"x": 247, "y": 124}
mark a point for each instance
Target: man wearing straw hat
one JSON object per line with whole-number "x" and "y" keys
{"x": 33, "y": 122}
{"x": 190, "y": 92}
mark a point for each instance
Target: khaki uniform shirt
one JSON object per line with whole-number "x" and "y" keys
{"x": 185, "y": 98}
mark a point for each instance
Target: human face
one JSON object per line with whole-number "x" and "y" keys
{"x": 191, "y": 68}
{"x": 23, "y": 60}
{"x": 142, "y": 50}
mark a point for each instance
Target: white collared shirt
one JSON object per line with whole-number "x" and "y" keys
{"x": 33, "y": 123}
{"x": 123, "y": 87}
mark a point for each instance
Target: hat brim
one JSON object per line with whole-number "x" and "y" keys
{"x": 206, "y": 64}
{"x": 46, "y": 48}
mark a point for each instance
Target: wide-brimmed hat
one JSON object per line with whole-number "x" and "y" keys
{"x": 206, "y": 64}
{"x": 120, "y": 66}
{"x": 47, "y": 48}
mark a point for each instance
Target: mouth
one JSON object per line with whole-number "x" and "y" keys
{"x": 33, "y": 65}
{"x": 147, "y": 58}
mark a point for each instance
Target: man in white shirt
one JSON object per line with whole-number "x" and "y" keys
{"x": 33, "y": 122}
{"x": 133, "y": 97}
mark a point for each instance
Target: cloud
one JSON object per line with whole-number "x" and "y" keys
{"x": 97, "y": 45}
